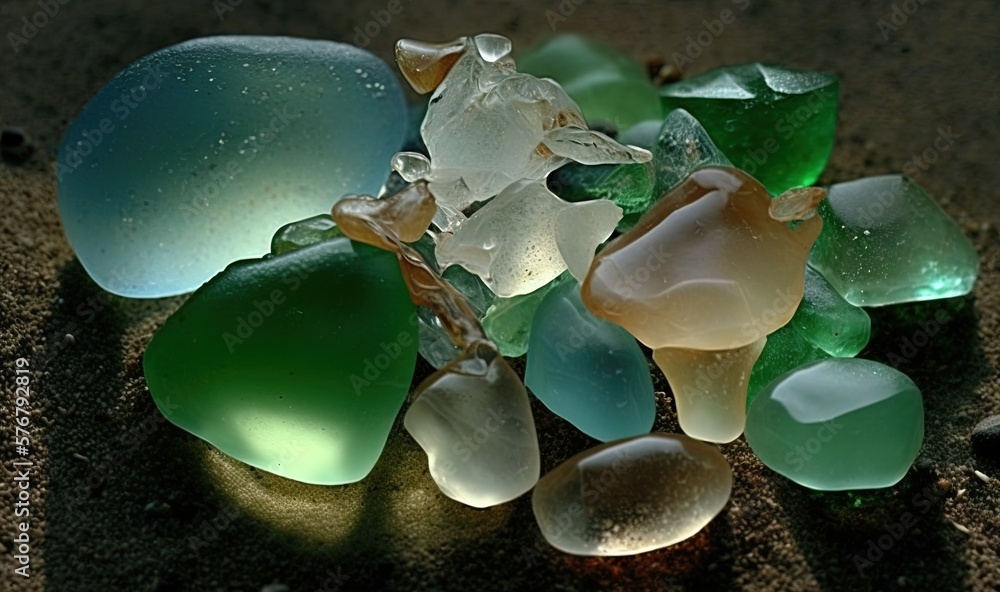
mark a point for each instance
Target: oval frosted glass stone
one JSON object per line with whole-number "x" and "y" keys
{"x": 632, "y": 496}
{"x": 838, "y": 424}
{"x": 296, "y": 364}
{"x": 193, "y": 156}
{"x": 588, "y": 371}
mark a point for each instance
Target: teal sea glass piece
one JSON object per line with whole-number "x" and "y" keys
{"x": 886, "y": 241}
{"x": 828, "y": 321}
{"x": 588, "y": 371}
{"x": 682, "y": 146}
{"x": 296, "y": 364}
{"x": 838, "y": 424}
{"x": 610, "y": 87}
{"x": 193, "y": 156}
{"x": 775, "y": 123}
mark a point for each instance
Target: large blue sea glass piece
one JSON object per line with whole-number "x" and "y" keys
{"x": 588, "y": 371}
{"x": 193, "y": 156}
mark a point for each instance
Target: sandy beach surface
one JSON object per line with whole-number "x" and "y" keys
{"x": 121, "y": 500}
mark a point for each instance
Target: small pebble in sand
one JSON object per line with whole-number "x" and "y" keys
{"x": 15, "y": 146}
{"x": 986, "y": 437}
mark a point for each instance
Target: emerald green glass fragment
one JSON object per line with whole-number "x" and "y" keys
{"x": 775, "y": 123}
{"x": 629, "y": 186}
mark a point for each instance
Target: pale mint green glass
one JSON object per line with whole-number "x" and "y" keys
{"x": 838, "y": 424}
{"x": 886, "y": 241}
{"x": 609, "y": 86}
{"x": 507, "y": 322}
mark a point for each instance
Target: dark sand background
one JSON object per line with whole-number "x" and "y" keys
{"x": 123, "y": 501}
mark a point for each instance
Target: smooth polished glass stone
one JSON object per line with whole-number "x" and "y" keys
{"x": 588, "y": 371}
{"x": 775, "y": 123}
{"x": 296, "y": 364}
{"x": 488, "y": 126}
{"x": 508, "y": 320}
{"x": 828, "y": 321}
{"x": 304, "y": 233}
{"x": 838, "y": 424}
{"x": 526, "y": 236}
{"x": 681, "y": 147}
{"x": 473, "y": 420}
{"x": 193, "y": 156}
{"x": 631, "y": 496}
{"x": 710, "y": 388}
{"x": 786, "y": 349}
{"x": 887, "y": 241}
{"x": 609, "y": 86}
{"x": 706, "y": 268}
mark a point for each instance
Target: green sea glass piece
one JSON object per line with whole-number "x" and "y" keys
{"x": 828, "y": 321}
{"x": 296, "y": 364}
{"x": 304, "y": 233}
{"x": 629, "y": 186}
{"x": 610, "y": 87}
{"x": 588, "y": 371}
{"x": 775, "y": 123}
{"x": 838, "y": 424}
{"x": 194, "y": 155}
{"x": 507, "y": 322}
{"x": 682, "y": 146}
{"x": 631, "y": 496}
{"x": 786, "y": 349}
{"x": 886, "y": 241}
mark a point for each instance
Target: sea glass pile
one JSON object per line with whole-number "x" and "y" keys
{"x": 515, "y": 229}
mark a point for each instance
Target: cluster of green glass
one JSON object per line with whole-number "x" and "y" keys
{"x": 748, "y": 285}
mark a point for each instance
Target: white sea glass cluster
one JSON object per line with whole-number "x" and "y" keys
{"x": 495, "y": 133}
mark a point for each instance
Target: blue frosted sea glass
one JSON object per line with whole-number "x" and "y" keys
{"x": 193, "y": 156}
{"x": 587, "y": 370}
